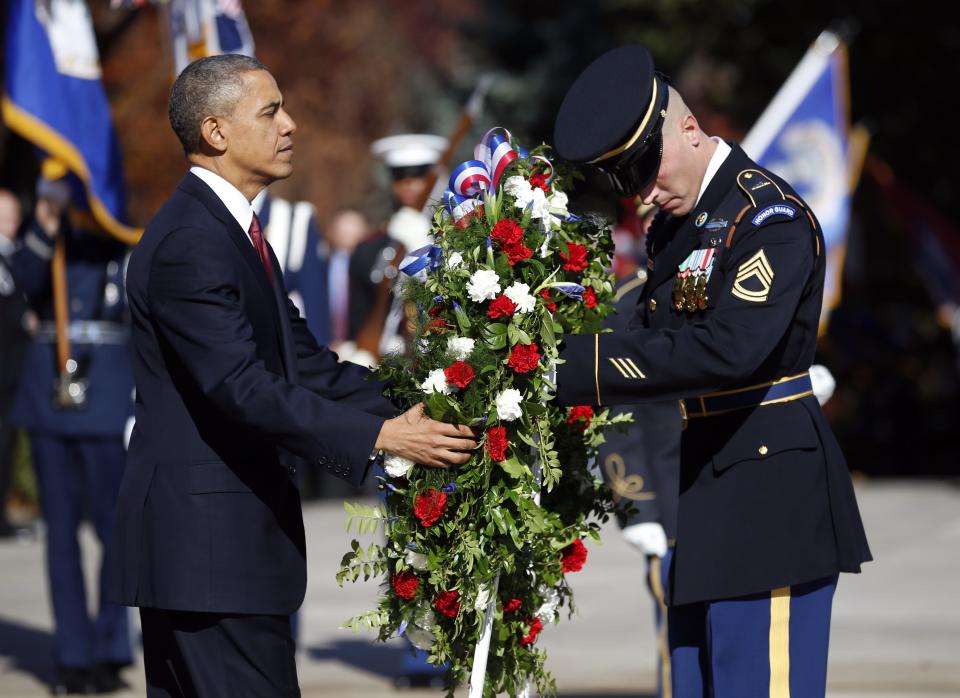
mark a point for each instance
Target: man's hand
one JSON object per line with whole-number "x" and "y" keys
{"x": 426, "y": 441}
{"x": 649, "y": 538}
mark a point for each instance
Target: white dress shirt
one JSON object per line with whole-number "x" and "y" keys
{"x": 236, "y": 203}
{"x": 719, "y": 155}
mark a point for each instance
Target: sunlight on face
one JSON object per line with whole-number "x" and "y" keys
{"x": 259, "y": 132}
{"x": 677, "y": 183}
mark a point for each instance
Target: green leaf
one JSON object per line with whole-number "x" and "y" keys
{"x": 514, "y": 468}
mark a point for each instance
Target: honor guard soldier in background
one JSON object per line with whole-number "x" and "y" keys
{"x": 409, "y": 158}
{"x": 13, "y": 339}
{"x": 75, "y": 416}
{"x": 767, "y": 516}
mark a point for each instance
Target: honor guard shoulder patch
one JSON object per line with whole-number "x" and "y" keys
{"x": 754, "y": 278}
{"x": 774, "y": 210}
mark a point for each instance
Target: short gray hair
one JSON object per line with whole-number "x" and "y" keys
{"x": 210, "y": 86}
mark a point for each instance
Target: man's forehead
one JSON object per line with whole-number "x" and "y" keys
{"x": 262, "y": 85}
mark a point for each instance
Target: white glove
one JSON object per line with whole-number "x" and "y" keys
{"x": 649, "y": 538}
{"x": 823, "y": 383}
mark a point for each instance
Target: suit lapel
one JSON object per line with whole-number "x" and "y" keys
{"x": 194, "y": 186}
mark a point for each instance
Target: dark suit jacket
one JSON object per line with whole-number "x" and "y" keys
{"x": 231, "y": 391}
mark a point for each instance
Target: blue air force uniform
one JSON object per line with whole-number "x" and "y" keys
{"x": 726, "y": 324}
{"x": 78, "y": 454}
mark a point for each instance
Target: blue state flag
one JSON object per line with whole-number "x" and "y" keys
{"x": 803, "y": 137}
{"x": 53, "y": 98}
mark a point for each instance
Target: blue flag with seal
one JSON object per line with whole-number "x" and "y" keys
{"x": 803, "y": 136}
{"x": 54, "y": 99}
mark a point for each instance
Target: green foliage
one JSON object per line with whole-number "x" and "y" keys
{"x": 504, "y": 523}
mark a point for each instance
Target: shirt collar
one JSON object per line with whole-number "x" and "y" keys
{"x": 236, "y": 203}
{"x": 716, "y": 160}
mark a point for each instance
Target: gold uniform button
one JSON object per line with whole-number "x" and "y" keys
{"x": 652, "y": 305}
{"x": 763, "y": 450}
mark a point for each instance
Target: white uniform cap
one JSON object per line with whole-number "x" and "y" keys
{"x": 409, "y": 150}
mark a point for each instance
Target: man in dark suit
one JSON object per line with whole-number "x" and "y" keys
{"x": 233, "y": 391}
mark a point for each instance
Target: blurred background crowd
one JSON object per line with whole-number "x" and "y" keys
{"x": 359, "y": 78}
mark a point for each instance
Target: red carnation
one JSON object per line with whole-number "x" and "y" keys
{"x": 429, "y": 506}
{"x": 540, "y": 180}
{"x": 573, "y": 556}
{"x": 517, "y": 252}
{"x": 576, "y": 257}
{"x": 536, "y": 627}
{"x": 507, "y": 232}
{"x": 524, "y": 358}
{"x": 438, "y": 325}
{"x": 460, "y": 373}
{"x": 545, "y": 294}
{"x": 511, "y": 606}
{"x": 589, "y": 298}
{"x": 435, "y": 311}
{"x": 501, "y": 306}
{"x": 405, "y": 584}
{"x": 448, "y": 603}
{"x": 581, "y": 416}
{"x": 497, "y": 443}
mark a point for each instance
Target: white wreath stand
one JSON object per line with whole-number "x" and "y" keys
{"x": 478, "y": 675}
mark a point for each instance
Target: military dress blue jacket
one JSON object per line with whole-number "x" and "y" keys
{"x": 99, "y": 335}
{"x": 765, "y": 496}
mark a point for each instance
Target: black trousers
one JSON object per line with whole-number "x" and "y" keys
{"x": 209, "y": 655}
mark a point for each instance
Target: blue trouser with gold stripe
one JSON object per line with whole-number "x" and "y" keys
{"x": 763, "y": 645}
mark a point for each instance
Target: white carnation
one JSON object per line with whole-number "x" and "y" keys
{"x": 454, "y": 260}
{"x": 484, "y": 284}
{"x": 508, "y": 405}
{"x": 519, "y": 188}
{"x": 417, "y": 561}
{"x": 460, "y": 347}
{"x": 520, "y": 295}
{"x": 538, "y": 205}
{"x": 551, "y": 602}
{"x": 436, "y": 382}
{"x": 396, "y": 466}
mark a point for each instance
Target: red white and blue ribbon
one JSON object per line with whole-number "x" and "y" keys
{"x": 470, "y": 179}
{"x": 416, "y": 264}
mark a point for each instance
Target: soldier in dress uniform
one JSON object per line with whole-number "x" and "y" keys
{"x": 13, "y": 339}
{"x": 409, "y": 158}
{"x": 76, "y": 430}
{"x": 727, "y": 324}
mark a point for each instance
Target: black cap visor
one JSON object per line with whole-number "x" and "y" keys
{"x": 631, "y": 173}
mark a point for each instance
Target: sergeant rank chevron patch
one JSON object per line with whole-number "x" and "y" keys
{"x": 754, "y": 278}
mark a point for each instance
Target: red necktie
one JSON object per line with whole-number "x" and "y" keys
{"x": 256, "y": 234}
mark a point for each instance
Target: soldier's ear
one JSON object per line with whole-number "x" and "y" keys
{"x": 690, "y": 129}
{"x": 212, "y": 137}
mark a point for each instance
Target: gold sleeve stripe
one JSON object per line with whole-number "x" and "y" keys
{"x": 634, "y": 367}
{"x": 780, "y": 643}
{"x": 621, "y": 366}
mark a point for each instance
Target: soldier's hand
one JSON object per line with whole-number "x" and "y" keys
{"x": 415, "y": 436}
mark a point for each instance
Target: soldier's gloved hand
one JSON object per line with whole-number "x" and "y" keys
{"x": 649, "y": 538}
{"x": 823, "y": 383}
